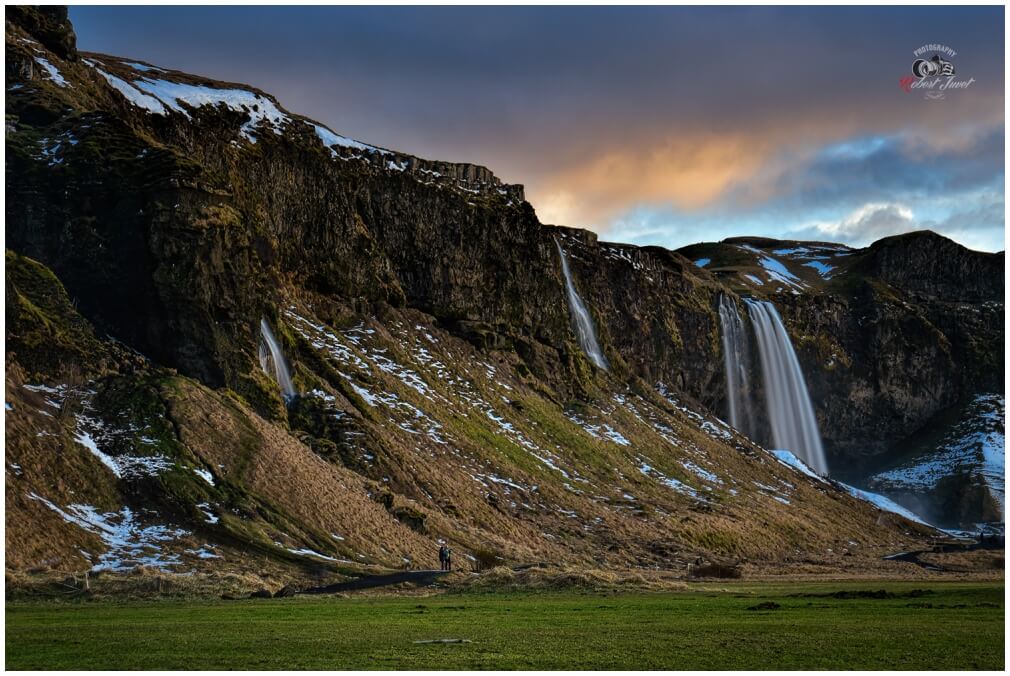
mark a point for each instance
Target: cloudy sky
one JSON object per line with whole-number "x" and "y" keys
{"x": 649, "y": 125}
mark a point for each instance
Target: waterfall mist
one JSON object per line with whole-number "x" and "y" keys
{"x": 794, "y": 427}
{"x": 736, "y": 360}
{"x": 273, "y": 363}
{"x": 585, "y": 331}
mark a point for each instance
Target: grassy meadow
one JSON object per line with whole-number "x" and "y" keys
{"x": 916, "y": 625}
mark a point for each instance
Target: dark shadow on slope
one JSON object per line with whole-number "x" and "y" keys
{"x": 418, "y": 577}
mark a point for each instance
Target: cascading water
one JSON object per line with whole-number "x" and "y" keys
{"x": 794, "y": 427}
{"x": 273, "y": 363}
{"x": 736, "y": 358}
{"x": 585, "y": 332}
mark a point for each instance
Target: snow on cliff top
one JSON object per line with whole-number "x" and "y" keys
{"x": 261, "y": 110}
{"x": 159, "y": 95}
{"x": 331, "y": 139}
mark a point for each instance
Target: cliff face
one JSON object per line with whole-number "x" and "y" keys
{"x": 177, "y": 226}
{"x": 888, "y": 336}
{"x": 424, "y": 311}
{"x": 930, "y": 267}
{"x": 176, "y": 232}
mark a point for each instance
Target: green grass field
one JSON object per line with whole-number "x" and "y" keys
{"x": 952, "y": 626}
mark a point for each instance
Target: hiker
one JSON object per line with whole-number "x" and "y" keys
{"x": 443, "y": 557}
{"x": 448, "y": 559}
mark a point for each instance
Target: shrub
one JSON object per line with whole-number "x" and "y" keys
{"x": 486, "y": 558}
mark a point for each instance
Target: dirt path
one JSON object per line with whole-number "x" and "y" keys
{"x": 418, "y": 577}
{"x": 913, "y": 557}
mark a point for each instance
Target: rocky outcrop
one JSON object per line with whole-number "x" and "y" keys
{"x": 933, "y": 267}
{"x": 49, "y": 24}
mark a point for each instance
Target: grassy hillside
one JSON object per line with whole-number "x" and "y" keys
{"x": 404, "y": 435}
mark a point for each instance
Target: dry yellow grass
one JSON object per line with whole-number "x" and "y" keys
{"x": 487, "y": 456}
{"x": 42, "y": 459}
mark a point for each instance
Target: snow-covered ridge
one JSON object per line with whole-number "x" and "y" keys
{"x": 157, "y": 91}
{"x": 333, "y": 141}
{"x": 158, "y": 95}
{"x": 132, "y": 94}
{"x": 261, "y": 110}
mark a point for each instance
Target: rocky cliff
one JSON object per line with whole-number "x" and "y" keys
{"x": 155, "y": 218}
{"x": 889, "y": 336}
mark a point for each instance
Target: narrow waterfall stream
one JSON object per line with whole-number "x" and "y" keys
{"x": 273, "y": 363}
{"x": 585, "y": 331}
{"x": 736, "y": 361}
{"x": 794, "y": 426}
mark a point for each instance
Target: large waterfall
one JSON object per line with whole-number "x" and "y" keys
{"x": 794, "y": 427}
{"x": 736, "y": 358}
{"x": 585, "y": 332}
{"x": 273, "y": 363}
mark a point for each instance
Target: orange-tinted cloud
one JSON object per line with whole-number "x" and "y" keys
{"x": 694, "y": 169}
{"x": 688, "y": 172}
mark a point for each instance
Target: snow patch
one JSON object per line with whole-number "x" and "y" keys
{"x": 670, "y": 482}
{"x": 701, "y": 472}
{"x": 615, "y": 436}
{"x": 134, "y": 95}
{"x": 207, "y": 513}
{"x": 123, "y": 466}
{"x": 51, "y": 71}
{"x": 309, "y": 552}
{"x": 143, "y": 67}
{"x": 790, "y": 460}
{"x": 823, "y": 269}
{"x": 777, "y": 271}
{"x": 204, "y": 553}
{"x": 330, "y": 139}
{"x": 84, "y": 439}
{"x": 882, "y": 503}
{"x": 130, "y": 544}
{"x": 205, "y": 475}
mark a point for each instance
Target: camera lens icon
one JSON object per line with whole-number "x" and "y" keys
{"x": 935, "y": 66}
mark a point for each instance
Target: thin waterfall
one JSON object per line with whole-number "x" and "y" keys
{"x": 273, "y": 363}
{"x": 736, "y": 358}
{"x": 794, "y": 427}
{"x": 585, "y": 331}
